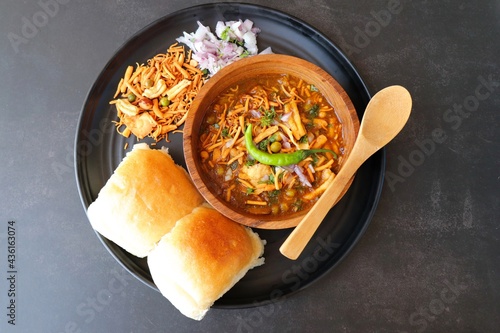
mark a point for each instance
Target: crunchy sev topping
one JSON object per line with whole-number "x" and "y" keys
{"x": 222, "y": 145}
{"x": 161, "y": 93}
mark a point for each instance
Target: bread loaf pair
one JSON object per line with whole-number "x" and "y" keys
{"x": 150, "y": 207}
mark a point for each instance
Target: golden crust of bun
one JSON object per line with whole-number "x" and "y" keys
{"x": 142, "y": 200}
{"x": 202, "y": 257}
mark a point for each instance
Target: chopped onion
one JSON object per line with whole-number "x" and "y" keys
{"x": 232, "y": 41}
{"x": 229, "y": 143}
{"x": 267, "y": 50}
{"x": 302, "y": 177}
{"x": 286, "y": 116}
{"x": 255, "y": 113}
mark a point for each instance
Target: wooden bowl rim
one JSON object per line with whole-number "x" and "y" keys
{"x": 221, "y": 81}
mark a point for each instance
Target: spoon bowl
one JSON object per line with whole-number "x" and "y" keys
{"x": 385, "y": 116}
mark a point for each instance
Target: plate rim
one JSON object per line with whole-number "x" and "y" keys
{"x": 131, "y": 267}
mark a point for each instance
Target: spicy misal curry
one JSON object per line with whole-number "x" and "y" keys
{"x": 288, "y": 117}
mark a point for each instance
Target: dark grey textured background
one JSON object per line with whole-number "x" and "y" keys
{"x": 429, "y": 261}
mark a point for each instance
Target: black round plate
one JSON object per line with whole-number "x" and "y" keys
{"x": 99, "y": 149}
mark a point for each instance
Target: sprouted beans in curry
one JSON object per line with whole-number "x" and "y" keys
{"x": 287, "y": 114}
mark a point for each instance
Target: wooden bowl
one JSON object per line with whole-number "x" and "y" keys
{"x": 243, "y": 70}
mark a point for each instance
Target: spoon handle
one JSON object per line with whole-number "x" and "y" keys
{"x": 303, "y": 232}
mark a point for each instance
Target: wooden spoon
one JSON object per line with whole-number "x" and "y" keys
{"x": 385, "y": 116}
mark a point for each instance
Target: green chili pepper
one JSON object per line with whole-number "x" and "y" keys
{"x": 280, "y": 159}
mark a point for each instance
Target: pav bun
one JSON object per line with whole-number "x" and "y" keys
{"x": 143, "y": 199}
{"x": 202, "y": 257}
